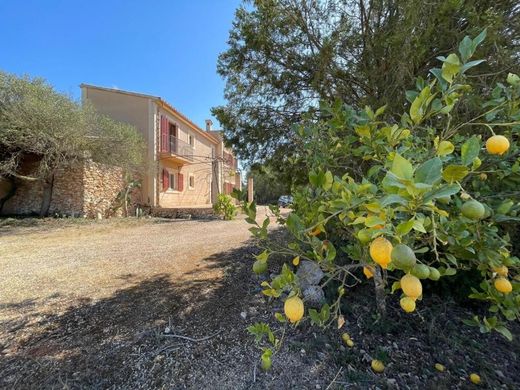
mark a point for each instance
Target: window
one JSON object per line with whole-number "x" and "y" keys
{"x": 191, "y": 140}
{"x": 173, "y": 181}
{"x": 192, "y": 182}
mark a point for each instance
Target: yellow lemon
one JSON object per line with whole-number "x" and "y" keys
{"x": 474, "y": 378}
{"x": 293, "y": 309}
{"x": 501, "y": 271}
{"x": 439, "y": 367}
{"x": 503, "y": 285}
{"x": 411, "y": 286}
{"x": 345, "y": 337}
{"x": 368, "y": 272}
{"x": 377, "y": 366}
{"x": 497, "y": 144}
{"x": 381, "y": 251}
{"x": 408, "y": 304}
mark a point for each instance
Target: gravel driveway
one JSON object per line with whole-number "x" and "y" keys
{"x": 94, "y": 259}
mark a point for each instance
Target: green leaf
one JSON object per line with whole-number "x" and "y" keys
{"x": 393, "y": 199}
{"x": 445, "y": 148}
{"x": 280, "y": 317}
{"x": 479, "y": 39}
{"x": 470, "y": 65}
{"x": 504, "y": 332}
{"x": 418, "y": 225}
{"x": 466, "y": 48}
{"x": 419, "y": 105}
{"x": 328, "y": 180}
{"x": 380, "y": 110}
{"x": 401, "y": 167}
{"x": 454, "y": 173}
{"x": 513, "y": 79}
{"x": 470, "y": 150}
{"x": 325, "y": 313}
{"x": 396, "y": 286}
{"x": 405, "y": 227}
{"x": 263, "y": 256}
{"x": 374, "y": 221}
{"x": 446, "y": 190}
{"x": 450, "y": 67}
{"x": 430, "y": 172}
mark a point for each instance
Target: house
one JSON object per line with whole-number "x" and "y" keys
{"x": 186, "y": 166}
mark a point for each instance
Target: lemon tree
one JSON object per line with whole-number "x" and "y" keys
{"x": 407, "y": 200}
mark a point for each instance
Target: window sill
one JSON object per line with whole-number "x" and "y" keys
{"x": 172, "y": 192}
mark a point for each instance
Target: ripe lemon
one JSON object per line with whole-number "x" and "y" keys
{"x": 259, "y": 267}
{"x": 473, "y": 209}
{"x": 434, "y": 274}
{"x": 381, "y": 251}
{"x": 293, "y": 309}
{"x": 421, "y": 271}
{"x": 439, "y": 367}
{"x": 368, "y": 272}
{"x": 503, "y": 285}
{"x": 403, "y": 257}
{"x": 377, "y": 366}
{"x": 501, "y": 271}
{"x": 475, "y": 378}
{"x": 411, "y": 286}
{"x": 407, "y": 304}
{"x": 497, "y": 144}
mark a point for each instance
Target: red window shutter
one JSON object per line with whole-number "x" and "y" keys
{"x": 165, "y": 147}
{"x": 165, "y": 180}
{"x": 181, "y": 182}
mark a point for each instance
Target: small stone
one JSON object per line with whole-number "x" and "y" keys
{"x": 309, "y": 273}
{"x": 167, "y": 330}
{"x": 159, "y": 359}
{"x": 313, "y": 296}
{"x": 243, "y": 315}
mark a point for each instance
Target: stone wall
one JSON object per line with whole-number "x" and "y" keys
{"x": 84, "y": 188}
{"x": 101, "y": 185}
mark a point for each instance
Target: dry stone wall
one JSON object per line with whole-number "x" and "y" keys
{"x": 85, "y": 188}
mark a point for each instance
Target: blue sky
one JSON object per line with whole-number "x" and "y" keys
{"x": 164, "y": 48}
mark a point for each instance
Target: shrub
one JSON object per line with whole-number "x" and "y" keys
{"x": 409, "y": 199}
{"x": 225, "y": 207}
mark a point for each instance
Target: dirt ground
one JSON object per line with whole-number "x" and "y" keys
{"x": 96, "y": 304}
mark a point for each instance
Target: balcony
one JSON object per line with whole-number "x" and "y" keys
{"x": 178, "y": 150}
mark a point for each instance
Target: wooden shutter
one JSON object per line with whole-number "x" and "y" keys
{"x": 181, "y": 182}
{"x": 165, "y": 180}
{"x": 165, "y": 145}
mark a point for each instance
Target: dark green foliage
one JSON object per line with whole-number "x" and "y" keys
{"x": 285, "y": 56}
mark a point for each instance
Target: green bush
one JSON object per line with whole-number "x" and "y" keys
{"x": 442, "y": 190}
{"x": 225, "y": 207}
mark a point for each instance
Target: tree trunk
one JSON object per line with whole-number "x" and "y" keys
{"x": 48, "y": 186}
{"x": 379, "y": 285}
{"x": 10, "y": 193}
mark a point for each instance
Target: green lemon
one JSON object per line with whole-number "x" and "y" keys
{"x": 421, "y": 271}
{"x": 434, "y": 274}
{"x": 364, "y": 236}
{"x": 403, "y": 257}
{"x": 259, "y": 267}
{"x": 473, "y": 209}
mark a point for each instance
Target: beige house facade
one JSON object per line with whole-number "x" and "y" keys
{"x": 186, "y": 166}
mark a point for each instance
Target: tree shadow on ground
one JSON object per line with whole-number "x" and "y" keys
{"x": 120, "y": 341}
